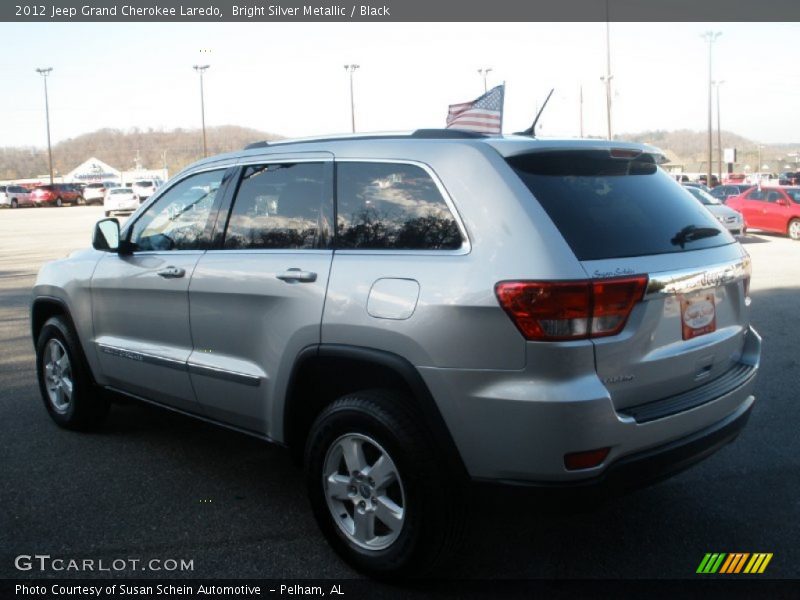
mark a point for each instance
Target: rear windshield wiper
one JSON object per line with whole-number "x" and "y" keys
{"x": 691, "y": 233}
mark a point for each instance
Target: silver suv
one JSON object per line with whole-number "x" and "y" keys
{"x": 409, "y": 313}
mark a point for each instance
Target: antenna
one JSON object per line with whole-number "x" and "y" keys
{"x": 531, "y": 131}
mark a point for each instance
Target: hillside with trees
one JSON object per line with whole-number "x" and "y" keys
{"x": 123, "y": 149}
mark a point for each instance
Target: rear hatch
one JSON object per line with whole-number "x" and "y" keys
{"x": 626, "y": 220}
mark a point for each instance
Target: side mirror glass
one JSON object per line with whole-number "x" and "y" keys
{"x": 106, "y": 235}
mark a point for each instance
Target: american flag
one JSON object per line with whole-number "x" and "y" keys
{"x": 484, "y": 114}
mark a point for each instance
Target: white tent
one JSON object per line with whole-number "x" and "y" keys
{"x": 93, "y": 169}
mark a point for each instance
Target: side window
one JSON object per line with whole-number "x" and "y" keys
{"x": 757, "y": 195}
{"x": 177, "y": 220}
{"x": 281, "y": 206}
{"x": 773, "y": 197}
{"x": 392, "y": 207}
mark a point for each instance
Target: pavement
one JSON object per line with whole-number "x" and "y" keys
{"x": 156, "y": 485}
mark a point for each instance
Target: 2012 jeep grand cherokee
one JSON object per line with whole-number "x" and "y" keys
{"x": 410, "y": 312}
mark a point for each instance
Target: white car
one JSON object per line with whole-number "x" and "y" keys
{"x": 13, "y": 196}
{"x": 120, "y": 199}
{"x": 95, "y": 193}
{"x": 144, "y": 188}
{"x": 731, "y": 219}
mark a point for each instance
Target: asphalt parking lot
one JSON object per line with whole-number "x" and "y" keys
{"x": 152, "y": 484}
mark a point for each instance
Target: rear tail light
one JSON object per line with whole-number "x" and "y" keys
{"x": 570, "y": 310}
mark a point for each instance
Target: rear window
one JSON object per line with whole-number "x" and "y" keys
{"x": 616, "y": 207}
{"x": 144, "y": 183}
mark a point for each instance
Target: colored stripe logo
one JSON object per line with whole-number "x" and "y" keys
{"x": 734, "y": 562}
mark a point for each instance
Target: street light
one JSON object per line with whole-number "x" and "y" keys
{"x": 719, "y": 132}
{"x": 201, "y": 69}
{"x": 351, "y": 69}
{"x": 484, "y": 72}
{"x": 44, "y": 73}
{"x": 710, "y": 37}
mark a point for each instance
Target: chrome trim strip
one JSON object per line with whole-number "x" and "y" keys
{"x": 684, "y": 281}
{"x": 234, "y": 376}
{"x": 152, "y": 359}
{"x": 179, "y": 365}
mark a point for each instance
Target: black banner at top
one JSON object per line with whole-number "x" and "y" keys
{"x": 397, "y": 10}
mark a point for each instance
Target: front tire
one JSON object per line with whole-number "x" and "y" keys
{"x": 14, "y": 203}
{"x": 378, "y": 491}
{"x": 59, "y": 202}
{"x": 794, "y": 229}
{"x": 68, "y": 392}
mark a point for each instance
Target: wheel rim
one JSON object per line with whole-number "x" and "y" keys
{"x": 794, "y": 230}
{"x": 58, "y": 376}
{"x": 364, "y": 491}
{"x": 58, "y": 202}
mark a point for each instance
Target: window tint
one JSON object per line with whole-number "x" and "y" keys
{"x": 280, "y": 206}
{"x": 392, "y": 206}
{"x": 615, "y": 207}
{"x": 177, "y": 220}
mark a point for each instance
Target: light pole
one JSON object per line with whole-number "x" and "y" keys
{"x": 608, "y": 77}
{"x": 201, "y": 69}
{"x": 719, "y": 133}
{"x": 710, "y": 37}
{"x": 351, "y": 69}
{"x": 44, "y": 73}
{"x": 484, "y": 72}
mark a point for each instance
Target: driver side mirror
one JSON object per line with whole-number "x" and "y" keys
{"x": 106, "y": 235}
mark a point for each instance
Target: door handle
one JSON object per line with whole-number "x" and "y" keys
{"x": 172, "y": 273}
{"x": 295, "y": 275}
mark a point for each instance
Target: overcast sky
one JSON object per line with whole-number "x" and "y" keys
{"x": 288, "y": 78}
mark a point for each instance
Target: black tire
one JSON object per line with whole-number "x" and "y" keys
{"x": 14, "y": 203}
{"x": 59, "y": 202}
{"x": 86, "y": 407}
{"x": 432, "y": 500}
{"x": 793, "y": 229}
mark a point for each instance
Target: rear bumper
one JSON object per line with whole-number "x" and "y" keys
{"x": 517, "y": 426}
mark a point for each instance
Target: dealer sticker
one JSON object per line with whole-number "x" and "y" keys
{"x": 698, "y": 314}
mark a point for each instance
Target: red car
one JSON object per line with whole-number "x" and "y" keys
{"x": 56, "y": 195}
{"x": 770, "y": 209}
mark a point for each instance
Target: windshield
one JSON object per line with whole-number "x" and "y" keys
{"x": 703, "y": 196}
{"x": 616, "y": 207}
{"x": 144, "y": 183}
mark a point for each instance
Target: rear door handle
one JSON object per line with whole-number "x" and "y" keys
{"x": 295, "y": 275}
{"x": 172, "y": 273}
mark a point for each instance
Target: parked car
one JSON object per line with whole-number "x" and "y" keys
{"x": 789, "y": 178}
{"x": 349, "y": 299}
{"x": 95, "y": 193}
{"x": 734, "y": 178}
{"x": 57, "y": 194}
{"x": 704, "y": 180}
{"x": 775, "y": 209}
{"x": 14, "y": 196}
{"x": 701, "y": 186}
{"x": 730, "y": 219}
{"x": 120, "y": 199}
{"x": 144, "y": 188}
{"x": 726, "y": 190}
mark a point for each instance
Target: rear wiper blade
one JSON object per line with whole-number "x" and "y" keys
{"x": 691, "y": 233}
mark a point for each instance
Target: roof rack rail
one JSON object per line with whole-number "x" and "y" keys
{"x": 446, "y": 134}
{"x": 418, "y": 134}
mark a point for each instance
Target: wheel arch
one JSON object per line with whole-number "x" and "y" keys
{"x": 323, "y": 373}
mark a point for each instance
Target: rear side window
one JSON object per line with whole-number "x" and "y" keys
{"x": 281, "y": 206}
{"x": 616, "y": 207}
{"x": 389, "y": 206}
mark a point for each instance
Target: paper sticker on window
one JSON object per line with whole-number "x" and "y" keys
{"x": 698, "y": 314}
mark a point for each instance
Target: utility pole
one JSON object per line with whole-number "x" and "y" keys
{"x": 484, "y": 72}
{"x": 710, "y": 37}
{"x": 201, "y": 69}
{"x": 351, "y": 69}
{"x": 581, "y": 108}
{"x": 44, "y": 73}
{"x": 719, "y": 133}
{"x": 608, "y": 77}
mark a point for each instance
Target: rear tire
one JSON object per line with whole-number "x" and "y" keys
{"x": 379, "y": 493}
{"x": 14, "y": 203}
{"x": 794, "y": 229}
{"x": 68, "y": 392}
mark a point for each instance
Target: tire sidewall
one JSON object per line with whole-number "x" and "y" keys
{"x": 789, "y": 229}
{"x": 331, "y": 426}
